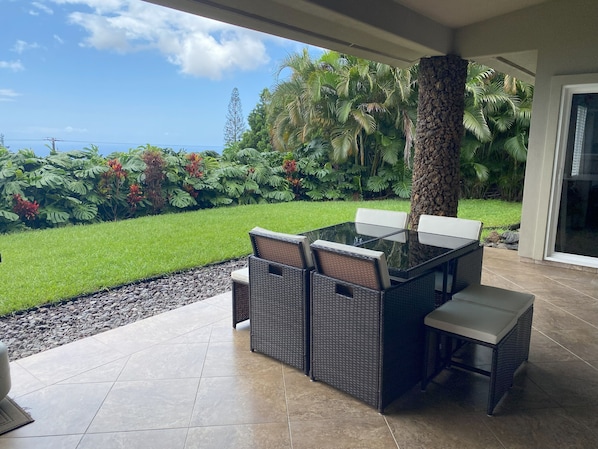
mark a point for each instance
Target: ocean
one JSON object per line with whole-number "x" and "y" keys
{"x": 42, "y": 147}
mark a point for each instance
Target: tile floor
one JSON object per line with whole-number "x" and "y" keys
{"x": 185, "y": 379}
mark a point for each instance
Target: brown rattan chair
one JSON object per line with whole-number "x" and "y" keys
{"x": 367, "y": 334}
{"x": 279, "y": 285}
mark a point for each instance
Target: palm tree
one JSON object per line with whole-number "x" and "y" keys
{"x": 497, "y": 117}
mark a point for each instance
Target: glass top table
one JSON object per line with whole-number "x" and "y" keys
{"x": 351, "y": 233}
{"x": 415, "y": 253}
{"x": 408, "y": 253}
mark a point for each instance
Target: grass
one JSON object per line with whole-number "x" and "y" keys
{"x": 40, "y": 267}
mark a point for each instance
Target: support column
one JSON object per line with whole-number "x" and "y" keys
{"x": 439, "y": 130}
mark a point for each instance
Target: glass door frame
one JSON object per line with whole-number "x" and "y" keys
{"x": 567, "y": 92}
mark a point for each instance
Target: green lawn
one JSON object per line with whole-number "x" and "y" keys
{"x": 39, "y": 267}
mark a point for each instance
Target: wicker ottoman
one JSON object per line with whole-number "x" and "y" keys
{"x": 521, "y": 304}
{"x": 469, "y": 322}
{"x": 240, "y": 281}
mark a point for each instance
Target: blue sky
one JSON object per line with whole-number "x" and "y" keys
{"x": 124, "y": 73}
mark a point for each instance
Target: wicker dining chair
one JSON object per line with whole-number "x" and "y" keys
{"x": 367, "y": 334}
{"x": 463, "y": 271}
{"x": 279, "y": 285}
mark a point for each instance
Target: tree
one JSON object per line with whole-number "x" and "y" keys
{"x": 235, "y": 123}
{"x": 439, "y": 131}
{"x": 258, "y": 136}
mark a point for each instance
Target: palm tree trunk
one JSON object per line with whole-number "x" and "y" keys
{"x": 439, "y": 130}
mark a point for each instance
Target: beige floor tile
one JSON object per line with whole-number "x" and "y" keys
{"x": 233, "y": 359}
{"x": 148, "y": 439}
{"x": 191, "y": 317}
{"x": 105, "y": 373}
{"x": 138, "y": 336}
{"x": 146, "y": 405}
{"x": 242, "y": 436}
{"x": 166, "y": 361}
{"x": 452, "y": 430}
{"x": 250, "y": 399}
{"x": 70, "y": 360}
{"x": 61, "y": 409}
{"x": 23, "y": 381}
{"x": 573, "y": 383}
{"x": 546, "y": 349}
{"x": 200, "y": 335}
{"x": 310, "y": 401}
{"x": 541, "y": 429}
{"x": 54, "y": 442}
{"x": 370, "y": 433}
{"x": 581, "y": 341}
{"x": 588, "y": 416}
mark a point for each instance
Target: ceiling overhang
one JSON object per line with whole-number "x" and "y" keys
{"x": 395, "y": 32}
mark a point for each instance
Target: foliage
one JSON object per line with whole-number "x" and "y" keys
{"x": 364, "y": 113}
{"x": 258, "y": 135}
{"x": 235, "y": 122}
{"x": 494, "y": 149}
{"x": 342, "y": 128}
{"x": 153, "y": 177}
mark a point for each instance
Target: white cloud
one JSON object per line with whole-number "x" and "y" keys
{"x": 58, "y": 39}
{"x": 15, "y": 66}
{"x": 40, "y": 7}
{"x": 20, "y": 46}
{"x": 8, "y": 95}
{"x": 198, "y": 46}
{"x": 70, "y": 130}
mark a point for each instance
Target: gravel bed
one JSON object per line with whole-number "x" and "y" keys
{"x": 49, "y": 326}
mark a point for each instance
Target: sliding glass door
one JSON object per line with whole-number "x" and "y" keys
{"x": 575, "y": 225}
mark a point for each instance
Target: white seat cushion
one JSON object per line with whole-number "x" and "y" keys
{"x": 382, "y": 265}
{"x": 241, "y": 275}
{"x": 472, "y": 320}
{"x": 390, "y": 218}
{"x": 456, "y": 227}
{"x": 499, "y": 298}
{"x": 303, "y": 241}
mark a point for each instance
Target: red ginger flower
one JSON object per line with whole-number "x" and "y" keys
{"x": 194, "y": 165}
{"x": 26, "y": 210}
{"x": 116, "y": 169}
{"x": 289, "y": 166}
{"x": 135, "y": 195}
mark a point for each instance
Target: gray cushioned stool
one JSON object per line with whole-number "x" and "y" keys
{"x": 466, "y": 321}
{"x": 240, "y": 281}
{"x": 4, "y": 371}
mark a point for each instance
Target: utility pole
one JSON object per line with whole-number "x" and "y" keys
{"x": 53, "y": 140}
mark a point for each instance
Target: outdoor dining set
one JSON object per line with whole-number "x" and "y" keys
{"x": 373, "y": 308}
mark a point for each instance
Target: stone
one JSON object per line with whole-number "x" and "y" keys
{"x": 493, "y": 237}
{"x": 510, "y": 237}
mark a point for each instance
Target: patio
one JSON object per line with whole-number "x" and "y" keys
{"x": 185, "y": 379}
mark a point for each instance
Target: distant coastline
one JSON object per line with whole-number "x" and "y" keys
{"x": 42, "y": 147}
